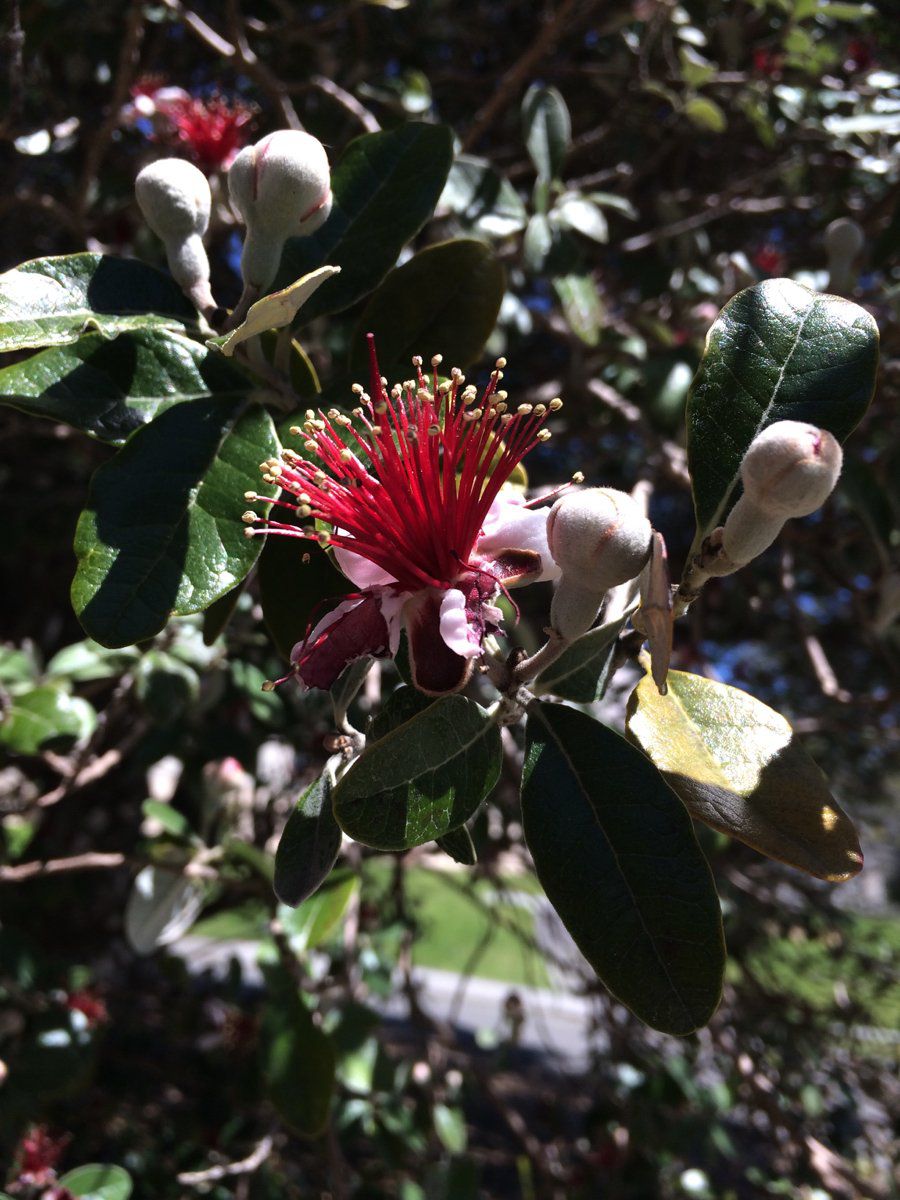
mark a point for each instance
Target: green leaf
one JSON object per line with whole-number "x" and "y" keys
{"x": 318, "y": 917}
{"x": 309, "y": 845}
{"x": 172, "y": 821}
{"x": 162, "y": 534}
{"x": 45, "y": 718}
{"x": 548, "y": 129}
{"x": 778, "y": 351}
{"x": 98, "y": 1181}
{"x": 87, "y": 662}
{"x": 400, "y": 706}
{"x": 706, "y": 114}
{"x": 581, "y": 305}
{"x": 385, "y": 188}
{"x": 737, "y": 766}
{"x": 53, "y": 301}
{"x": 298, "y": 1059}
{"x": 616, "y": 854}
{"x": 16, "y": 666}
{"x": 581, "y": 215}
{"x": 165, "y": 686}
{"x": 459, "y": 845}
{"x": 450, "y": 1126}
{"x": 292, "y": 591}
{"x": 444, "y": 300}
{"x": 276, "y": 310}
{"x": 108, "y": 389}
{"x": 482, "y": 198}
{"x": 424, "y": 778}
{"x": 582, "y": 672}
{"x": 220, "y": 612}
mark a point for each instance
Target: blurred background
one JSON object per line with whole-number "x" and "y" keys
{"x": 707, "y": 145}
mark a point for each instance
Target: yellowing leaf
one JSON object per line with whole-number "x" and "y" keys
{"x": 277, "y": 310}
{"x": 737, "y": 766}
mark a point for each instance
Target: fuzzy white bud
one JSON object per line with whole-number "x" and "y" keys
{"x": 599, "y": 537}
{"x": 175, "y": 200}
{"x": 789, "y": 471}
{"x": 281, "y": 187}
{"x": 574, "y": 609}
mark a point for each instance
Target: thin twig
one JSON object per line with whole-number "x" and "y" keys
{"x": 246, "y": 1166}
{"x": 367, "y": 119}
{"x": 91, "y": 861}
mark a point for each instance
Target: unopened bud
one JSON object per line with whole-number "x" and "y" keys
{"x": 844, "y": 240}
{"x": 789, "y": 471}
{"x": 599, "y": 537}
{"x": 174, "y": 198}
{"x": 282, "y": 188}
{"x": 574, "y": 609}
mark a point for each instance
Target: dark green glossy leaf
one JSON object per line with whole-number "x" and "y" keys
{"x": 581, "y": 672}
{"x": 293, "y": 592}
{"x": 385, "y": 188}
{"x": 400, "y": 706}
{"x": 615, "y": 852}
{"x": 108, "y": 388}
{"x": 162, "y": 534}
{"x": 459, "y": 845}
{"x": 220, "y": 612}
{"x": 548, "y": 129}
{"x": 98, "y": 1181}
{"x": 298, "y": 1059}
{"x": 45, "y": 718}
{"x": 444, "y": 300}
{"x": 738, "y": 767}
{"x": 309, "y": 845}
{"x": 776, "y": 352}
{"x": 424, "y": 778}
{"x": 53, "y": 301}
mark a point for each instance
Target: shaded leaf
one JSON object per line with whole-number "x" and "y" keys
{"x": 706, "y": 114}
{"x": 424, "y": 778}
{"x": 737, "y": 766}
{"x": 582, "y": 672}
{"x": 459, "y": 845}
{"x": 444, "y": 300}
{"x": 616, "y": 854}
{"x": 298, "y": 1059}
{"x": 778, "y": 351}
{"x": 220, "y": 612}
{"x": 98, "y": 1181}
{"x": 483, "y": 198}
{"x": 385, "y": 188}
{"x": 86, "y": 662}
{"x": 292, "y": 592}
{"x": 309, "y": 845}
{"x": 108, "y": 388}
{"x": 161, "y": 535}
{"x": 581, "y": 305}
{"x": 318, "y": 917}
{"x": 400, "y": 706}
{"x": 45, "y": 718}
{"x": 162, "y": 906}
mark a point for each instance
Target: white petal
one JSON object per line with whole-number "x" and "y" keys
{"x": 454, "y": 626}
{"x": 511, "y": 526}
{"x": 361, "y": 571}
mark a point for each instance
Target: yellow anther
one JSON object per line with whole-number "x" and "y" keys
{"x": 500, "y": 364}
{"x": 417, "y": 360}
{"x": 540, "y": 409}
{"x": 333, "y": 414}
{"x": 251, "y": 495}
{"x": 357, "y": 389}
{"x": 310, "y": 447}
{"x": 346, "y": 456}
{"x": 555, "y": 404}
{"x": 469, "y": 393}
{"x": 268, "y": 686}
{"x": 543, "y": 435}
{"x": 433, "y": 429}
{"x": 296, "y": 431}
{"x": 310, "y": 414}
{"x": 524, "y": 409}
{"x": 291, "y": 456}
{"x": 381, "y": 409}
{"x": 320, "y": 476}
{"x": 436, "y": 360}
{"x": 303, "y": 510}
{"x": 249, "y": 517}
{"x": 323, "y": 539}
{"x": 248, "y": 532}
{"x": 500, "y": 408}
{"x": 304, "y": 498}
{"x": 578, "y": 477}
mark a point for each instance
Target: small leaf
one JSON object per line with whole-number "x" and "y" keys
{"x": 424, "y": 778}
{"x": 172, "y": 821}
{"x": 53, "y": 301}
{"x": 737, "y": 766}
{"x": 483, "y": 198}
{"x": 45, "y": 718}
{"x": 459, "y": 845}
{"x": 318, "y": 917}
{"x": 776, "y": 352}
{"x": 108, "y": 389}
{"x": 444, "y": 300}
{"x": 582, "y": 672}
{"x": 450, "y": 1126}
{"x": 97, "y": 1181}
{"x": 165, "y": 686}
{"x": 309, "y": 845}
{"x": 385, "y": 188}
{"x": 581, "y": 305}
{"x": 277, "y": 309}
{"x": 298, "y": 1060}
{"x": 161, "y": 908}
{"x": 162, "y": 535}
{"x": 706, "y": 114}
{"x": 583, "y": 216}
{"x": 548, "y": 129}
{"x": 86, "y": 662}
{"x": 616, "y": 854}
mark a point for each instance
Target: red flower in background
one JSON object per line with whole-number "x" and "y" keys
{"x": 212, "y": 130}
{"x": 767, "y": 62}
{"x": 90, "y": 1004}
{"x": 38, "y": 1154}
{"x": 770, "y": 260}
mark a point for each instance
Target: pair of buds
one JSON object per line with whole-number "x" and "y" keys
{"x": 281, "y": 187}
{"x": 600, "y": 538}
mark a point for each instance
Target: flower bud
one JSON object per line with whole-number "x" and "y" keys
{"x": 599, "y": 537}
{"x": 282, "y": 188}
{"x": 789, "y": 470}
{"x": 574, "y": 609}
{"x": 844, "y": 240}
{"x": 175, "y": 200}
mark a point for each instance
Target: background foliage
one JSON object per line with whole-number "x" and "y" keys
{"x": 632, "y": 166}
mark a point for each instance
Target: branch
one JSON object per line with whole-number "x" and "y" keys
{"x": 91, "y": 861}
{"x": 246, "y": 1166}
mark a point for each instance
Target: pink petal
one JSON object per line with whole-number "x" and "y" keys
{"x": 361, "y": 571}
{"x": 454, "y": 625}
{"x": 509, "y": 528}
